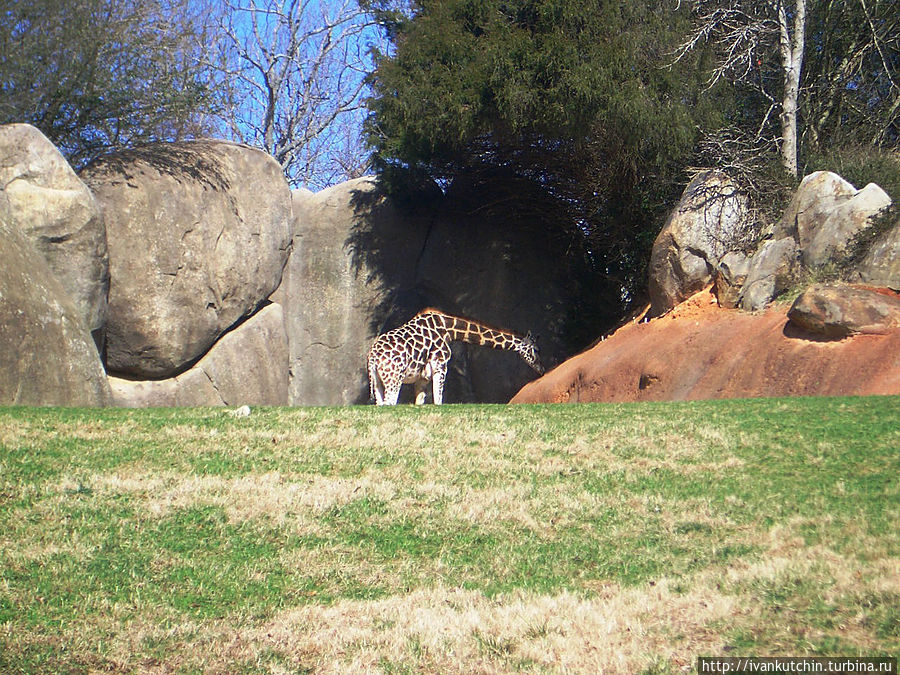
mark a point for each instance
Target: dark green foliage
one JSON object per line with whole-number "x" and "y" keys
{"x": 560, "y": 110}
{"x": 573, "y": 114}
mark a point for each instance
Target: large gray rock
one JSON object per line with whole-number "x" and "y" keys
{"x": 771, "y": 271}
{"x": 881, "y": 265}
{"x": 352, "y": 253}
{"x": 731, "y": 275}
{"x": 813, "y": 200}
{"x": 509, "y": 277}
{"x": 248, "y": 365}
{"x": 364, "y": 263}
{"x": 42, "y": 196}
{"x": 839, "y": 311}
{"x": 825, "y": 213}
{"x": 198, "y": 236}
{"x": 710, "y": 220}
{"x": 47, "y": 356}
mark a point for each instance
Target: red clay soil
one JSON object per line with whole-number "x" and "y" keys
{"x": 702, "y": 351}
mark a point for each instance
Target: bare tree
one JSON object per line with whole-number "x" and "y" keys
{"x": 743, "y": 35}
{"x": 296, "y": 70}
{"x": 791, "y": 39}
{"x": 854, "y": 72}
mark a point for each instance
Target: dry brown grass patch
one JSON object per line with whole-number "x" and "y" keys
{"x": 269, "y": 495}
{"x": 457, "y": 631}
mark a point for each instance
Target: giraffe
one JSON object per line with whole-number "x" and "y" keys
{"x": 419, "y": 350}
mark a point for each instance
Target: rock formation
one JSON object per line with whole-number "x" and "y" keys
{"x": 510, "y": 277}
{"x": 352, "y": 252}
{"x": 708, "y": 222}
{"x": 826, "y": 212}
{"x": 209, "y": 306}
{"x": 47, "y": 356}
{"x": 834, "y": 339}
{"x": 198, "y": 236}
{"x": 248, "y": 365}
{"x": 770, "y": 272}
{"x": 41, "y": 196}
{"x": 363, "y": 264}
{"x": 881, "y": 265}
{"x": 706, "y": 234}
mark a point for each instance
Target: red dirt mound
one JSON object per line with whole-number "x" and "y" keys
{"x": 701, "y": 351}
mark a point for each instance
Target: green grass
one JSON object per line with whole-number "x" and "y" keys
{"x": 412, "y": 539}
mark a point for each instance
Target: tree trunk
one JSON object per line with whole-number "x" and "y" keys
{"x": 791, "y": 46}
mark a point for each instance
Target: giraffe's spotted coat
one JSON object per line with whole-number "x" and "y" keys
{"x": 418, "y": 352}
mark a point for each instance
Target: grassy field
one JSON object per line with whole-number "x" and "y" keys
{"x": 470, "y": 539}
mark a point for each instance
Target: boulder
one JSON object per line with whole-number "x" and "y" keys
{"x": 364, "y": 263}
{"x": 509, "y": 277}
{"x": 824, "y": 214}
{"x": 198, "y": 237}
{"x": 47, "y": 357}
{"x": 836, "y": 311}
{"x": 770, "y": 272}
{"x": 41, "y": 196}
{"x": 814, "y": 198}
{"x": 247, "y": 366}
{"x": 353, "y": 253}
{"x": 881, "y": 265}
{"x": 731, "y": 275}
{"x": 710, "y": 219}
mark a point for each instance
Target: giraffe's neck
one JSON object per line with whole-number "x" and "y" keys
{"x": 465, "y": 330}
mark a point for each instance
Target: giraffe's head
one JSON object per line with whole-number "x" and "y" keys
{"x": 528, "y": 350}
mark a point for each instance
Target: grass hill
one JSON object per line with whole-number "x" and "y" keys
{"x": 629, "y": 537}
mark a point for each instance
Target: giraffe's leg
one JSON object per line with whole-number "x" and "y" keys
{"x": 392, "y": 391}
{"x": 437, "y": 382}
{"x": 376, "y": 385}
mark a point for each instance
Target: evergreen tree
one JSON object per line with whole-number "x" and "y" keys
{"x": 557, "y": 111}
